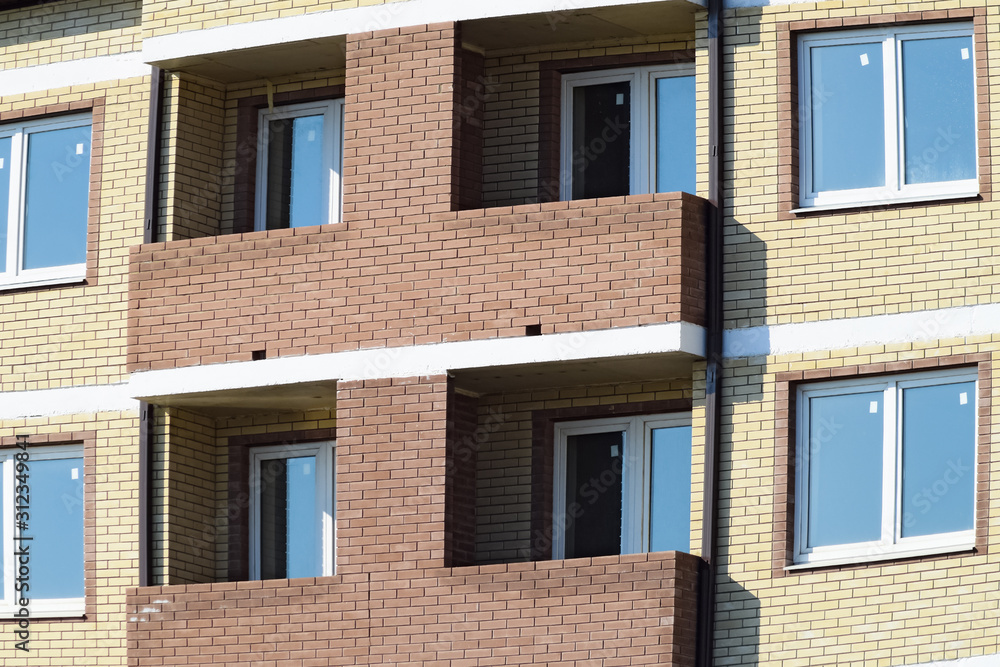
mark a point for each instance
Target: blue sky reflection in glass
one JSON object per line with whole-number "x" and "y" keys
{"x": 845, "y": 469}
{"x": 848, "y": 117}
{"x": 56, "y": 198}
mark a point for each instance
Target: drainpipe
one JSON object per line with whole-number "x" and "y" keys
{"x": 713, "y": 343}
{"x": 150, "y": 232}
{"x": 149, "y": 235}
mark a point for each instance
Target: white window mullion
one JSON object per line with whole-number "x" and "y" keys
{"x": 638, "y": 136}
{"x": 559, "y": 498}
{"x": 635, "y": 476}
{"x": 335, "y": 150}
{"x": 891, "y": 83}
{"x": 326, "y": 474}
{"x": 892, "y": 462}
{"x": 646, "y": 492}
{"x": 15, "y": 234}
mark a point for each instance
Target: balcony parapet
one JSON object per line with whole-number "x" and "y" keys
{"x": 471, "y": 275}
{"x": 640, "y": 607}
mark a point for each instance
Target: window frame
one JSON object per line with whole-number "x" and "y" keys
{"x": 891, "y": 544}
{"x": 48, "y": 607}
{"x": 895, "y": 190}
{"x": 332, "y": 111}
{"x": 18, "y": 131}
{"x": 642, "y": 147}
{"x": 636, "y": 510}
{"x": 325, "y": 453}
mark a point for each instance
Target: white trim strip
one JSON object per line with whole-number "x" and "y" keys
{"x": 978, "y": 661}
{"x": 337, "y": 22}
{"x": 72, "y": 73}
{"x": 860, "y": 331}
{"x": 734, "y": 4}
{"x": 66, "y": 401}
{"x": 420, "y": 360}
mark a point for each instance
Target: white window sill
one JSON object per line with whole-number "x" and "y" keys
{"x": 895, "y": 554}
{"x": 16, "y": 284}
{"x": 871, "y": 203}
{"x": 63, "y": 609}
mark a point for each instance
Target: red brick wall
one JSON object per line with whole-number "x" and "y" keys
{"x": 399, "y": 122}
{"x": 390, "y": 491}
{"x": 569, "y": 266}
{"x": 637, "y": 609}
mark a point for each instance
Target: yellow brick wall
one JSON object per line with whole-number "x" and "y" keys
{"x": 232, "y": 146}
{"x": 511, "y": 110}
{"x": 835, "y": 265}
{"x": 185, "y": 498}
{"x": 202, "y": 157}
{"x": 896, "y": 612}
{"x": 504, "y": 458}
{"x": 98, "y": 640}
{"x": 165, "y": 17}
{"x": 72, "y": 335}
{"x": 191, "y": 173}
{"x": 839, "y": 264}
{"x": 190, "y": 495}
{"x": 56, "y": 32}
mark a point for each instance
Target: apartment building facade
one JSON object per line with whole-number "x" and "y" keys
{"x": 498, "y": 333}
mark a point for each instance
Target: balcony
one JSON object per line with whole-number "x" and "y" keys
{"x": 496, "y": 273}
{"x": 638, "y": 608}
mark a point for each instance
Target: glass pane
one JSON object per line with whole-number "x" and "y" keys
{"x": 939, "y": 116}
{"x": 594, "y": 464}
{"x": 56, "y": 525}
{"x": 602, "y": 140}
{"x": 289, "y": 542}
{"x": 303, "y": 523}
{"x": 56, "y": 201}
{"x": 295, "y": 172}
{"x": 939, "y": 449}
{"x": 5, "y": 144}
{"x": 670, "y": 490}
{"x": 844, "y": 469}
{"x": 675, "y": 134}
{"x": 848, "y": 117}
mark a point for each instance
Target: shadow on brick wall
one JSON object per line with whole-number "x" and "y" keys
{"x": 737, "y": 624}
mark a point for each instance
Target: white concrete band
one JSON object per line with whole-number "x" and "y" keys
{"x": 337, "y": 22}
{"x": 419, "y": 360}
{"x": 854, "y": 332}
{"x": 84, "y": 71}
{"x": 978, "y": 661}
{"x": 66, "y": 401}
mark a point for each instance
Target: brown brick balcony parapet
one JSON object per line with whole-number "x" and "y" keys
{"x": 639, "y": 608}
{"x": 452, "y": 276}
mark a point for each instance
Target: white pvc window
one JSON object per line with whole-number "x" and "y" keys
{"x": 41, "y": 496}
{"x": 628, "y": 131}
{"x": 887, "y": 115}
{"x": 885, "y": 467}
{"x": 292, "y": 511}
{"x": 622, "y": 485}
{"x": 44, "y": 200}
{"x": 300, "y": 153}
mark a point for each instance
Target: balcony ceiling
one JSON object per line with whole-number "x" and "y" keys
{"x": 639, "y": 368}
{"x": 265, "y": 62}
{"x": 582, "y": 25}
{"x": 487, "y": 380}
{"x": 504, "y": 33}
